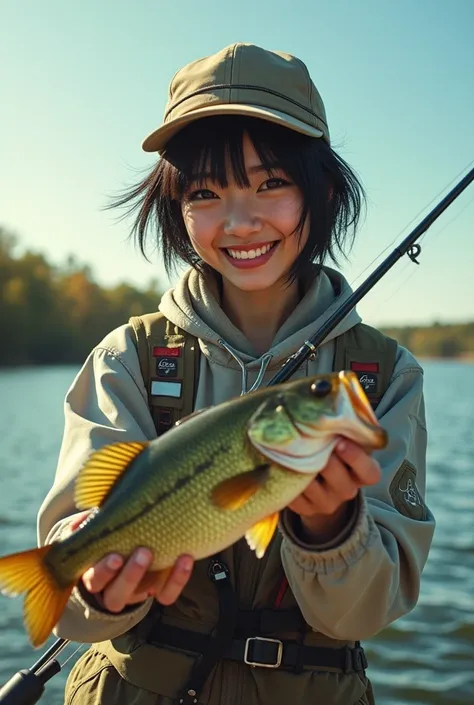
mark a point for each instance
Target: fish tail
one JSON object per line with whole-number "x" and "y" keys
{"x": 45, "y": 599}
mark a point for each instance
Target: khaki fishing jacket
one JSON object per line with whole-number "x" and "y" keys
{"x": 346, "y": 591}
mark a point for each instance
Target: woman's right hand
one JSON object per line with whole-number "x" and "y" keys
{"x": 116, "y": 582}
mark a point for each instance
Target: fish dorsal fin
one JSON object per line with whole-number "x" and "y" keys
{"x": 260, "y": 534}
{"x": 235, "y": 492}
{"x": 101, "y": 472}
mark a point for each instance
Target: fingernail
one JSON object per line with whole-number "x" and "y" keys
{"x": 186, "y": 564}
{"x": 142, "y": 557}
{"x": 341, "y": 446}
{"x": 114, "y": 562}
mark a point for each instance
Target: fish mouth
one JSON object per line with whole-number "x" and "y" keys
{"x": 353, "y": 417}
{"x": 311, "y": 445}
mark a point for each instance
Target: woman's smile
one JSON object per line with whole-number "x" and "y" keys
{"x": 249, "y": 256}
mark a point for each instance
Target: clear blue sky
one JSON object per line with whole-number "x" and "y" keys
{"x": 82, "y": 83}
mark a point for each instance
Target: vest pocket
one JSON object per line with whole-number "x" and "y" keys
{"x": 94, "y": 681}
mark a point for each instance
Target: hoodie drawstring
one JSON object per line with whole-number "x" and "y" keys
{"x": 266, "y": 359}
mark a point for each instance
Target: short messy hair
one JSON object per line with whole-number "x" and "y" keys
{"x": 332, "y": 193}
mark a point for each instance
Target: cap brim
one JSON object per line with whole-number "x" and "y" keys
{"x": 157, "y": 140}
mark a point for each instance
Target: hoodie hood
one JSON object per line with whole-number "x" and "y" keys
{"x": 193, "y": 305}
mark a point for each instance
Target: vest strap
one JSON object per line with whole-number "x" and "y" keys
{"x": 261, "y": 652}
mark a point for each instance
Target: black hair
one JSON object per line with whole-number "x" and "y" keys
{"x": 332, "y": 193}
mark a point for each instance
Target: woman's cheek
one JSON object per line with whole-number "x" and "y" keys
{"x": 285, "y": 215}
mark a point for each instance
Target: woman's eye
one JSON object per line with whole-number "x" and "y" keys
{"x": 202, "y": 194}
{"x": 273, "y": 183}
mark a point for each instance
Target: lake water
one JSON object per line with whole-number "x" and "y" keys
{"x": 426, "y": 658}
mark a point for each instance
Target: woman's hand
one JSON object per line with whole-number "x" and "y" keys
{"x": 324, "y": 507}
{"x": 118, "y": 580}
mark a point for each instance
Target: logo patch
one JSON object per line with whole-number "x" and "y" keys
{"x": 166, "y": 367}
{"x": 405, "y": 494}
{"x": 367, "y": 373}
{"x": 368, "y": 381}
{"x": 411, "y": 494}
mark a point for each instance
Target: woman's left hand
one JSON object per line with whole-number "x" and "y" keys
{"x": 324, "y": 506}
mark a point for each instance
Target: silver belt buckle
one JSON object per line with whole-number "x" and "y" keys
{"x": 279, "y": 657}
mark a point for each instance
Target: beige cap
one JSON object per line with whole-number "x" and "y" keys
{"x": 243, "y": 79}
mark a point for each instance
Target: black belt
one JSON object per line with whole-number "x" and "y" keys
{"x": 264, "y": 652}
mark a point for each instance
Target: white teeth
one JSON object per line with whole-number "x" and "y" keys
{"x": 250, "y": 254}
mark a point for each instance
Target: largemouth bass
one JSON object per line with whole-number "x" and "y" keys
{"x": 222, "y": 474}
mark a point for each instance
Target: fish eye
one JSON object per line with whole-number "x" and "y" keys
{"x": 321, "y": 388}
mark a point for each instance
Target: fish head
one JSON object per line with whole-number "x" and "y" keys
{"x": 299, "y": 425}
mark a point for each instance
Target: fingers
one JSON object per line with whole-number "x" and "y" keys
{"x": 102, "y": 573}
{"x": 337, "y": 480}
{"x": 119, "y": 581}
{"x": 333, "y": 487}
{"x": 348, "y": 469}
{"x": 122, "y": 589}
{"x": 178, "y": 578}
{"x": 366, "y": 470}
{"x": 312, "y": 500}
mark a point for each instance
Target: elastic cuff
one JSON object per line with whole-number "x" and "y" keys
{"x": 315, "y": 560}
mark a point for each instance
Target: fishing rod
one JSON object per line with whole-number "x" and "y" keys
{"x": 27, "y": 686}
{"x": 409, "y": 247}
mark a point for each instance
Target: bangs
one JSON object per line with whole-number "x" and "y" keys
{"x": 212, "y": 150}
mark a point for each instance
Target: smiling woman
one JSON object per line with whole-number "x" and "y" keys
{"x": 249, "y": 193}
{"x": 229, "y": 186}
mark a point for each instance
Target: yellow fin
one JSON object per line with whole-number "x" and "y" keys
{"x": 45, "y": 600}
{"x": 102, "y": 471}
{"x": 235, "y": 492}
{"x": 259, "y": 536}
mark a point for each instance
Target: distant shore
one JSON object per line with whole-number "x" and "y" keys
{"x": 468, "y": 358}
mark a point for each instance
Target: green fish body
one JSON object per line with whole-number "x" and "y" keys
{"x": 222, "y": 474}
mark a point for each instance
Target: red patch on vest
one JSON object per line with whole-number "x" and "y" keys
{"x": 166, "y": 352}
{"x": 365, "y": 366}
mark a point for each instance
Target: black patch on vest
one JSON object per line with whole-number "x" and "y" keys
{"x": 166, "y": 367}
{"x": 368, "y": 381}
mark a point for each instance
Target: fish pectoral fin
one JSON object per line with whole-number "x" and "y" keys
{"x": 45, "y": 600}
{"x": 260, "y": 534}
{"x": 154, "y": 580}
{"x": 235, "y": 492}
{"x": 101, "y": 472}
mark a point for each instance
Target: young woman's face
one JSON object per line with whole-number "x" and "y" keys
{"x": 247, "y": 234}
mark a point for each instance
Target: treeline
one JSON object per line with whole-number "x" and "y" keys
{"x": 437, "y": 340}
{"x": 56, "y": 314}
{"x": 51, "y": 314}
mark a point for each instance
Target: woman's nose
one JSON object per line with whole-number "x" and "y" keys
{"x": 241, "y": 222}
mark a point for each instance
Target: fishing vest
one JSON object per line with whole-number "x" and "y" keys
{"x": 169, "y": 362}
